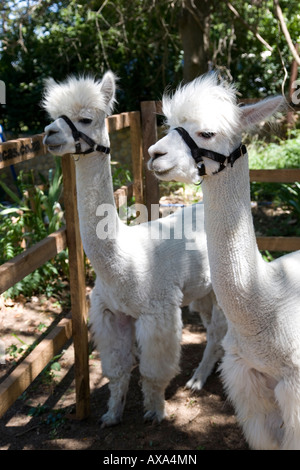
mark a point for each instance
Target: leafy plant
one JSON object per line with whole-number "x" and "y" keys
{"x": 50, "y": 371}
{"x": 290, "y": 196}
{"x": 121, "y": 176}
{"x": 28, "y": 219}
{"x": 38, "y": 410}
{"x": 54, "y": 419}
{"x": 15, "y": 351}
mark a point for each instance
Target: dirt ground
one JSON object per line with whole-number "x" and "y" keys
{"x": 43, "y": 417}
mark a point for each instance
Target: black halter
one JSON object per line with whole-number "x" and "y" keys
{"x": 198, "y": 153}
{"x": 77, "y": 135}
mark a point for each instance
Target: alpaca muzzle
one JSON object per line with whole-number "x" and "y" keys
{"x": 198, "y": 153}
{"x": 77, "y": 135}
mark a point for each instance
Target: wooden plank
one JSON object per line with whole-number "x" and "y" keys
{"x": 77, "y": 289}
{"x": 24, "y": 374}
{"x": 137, "y": 155}
{"x": 117, "y": 122}
{"x": 158, "y": 105}
{"x": 278, "y": 243}
{"x": 275, "y": 176}
{"x": 149, "y": 130}
{"x": 122, "y": 194}
{"x": 15, "y": 151}
{"x": 20, "y": 266}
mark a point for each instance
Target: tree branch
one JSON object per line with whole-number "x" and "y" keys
{"x": 256, "y": 34}
{"x": 286, "y": 32}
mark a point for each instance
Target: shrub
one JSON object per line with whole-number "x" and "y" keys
{"x": 27, "y": 219}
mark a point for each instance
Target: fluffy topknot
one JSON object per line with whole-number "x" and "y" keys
{"x": 79, "y": 96}
{"x": 206, "y": 100}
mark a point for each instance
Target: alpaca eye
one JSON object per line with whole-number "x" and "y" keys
{"x": 206, "y": 135}
{"x": 85, "y": 121}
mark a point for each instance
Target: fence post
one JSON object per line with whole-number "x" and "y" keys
{"x": 137, "y": 155}
{"x": 291, "y": 116}
{"x": 77, "y": 288}
{"x": 149, "y": 130}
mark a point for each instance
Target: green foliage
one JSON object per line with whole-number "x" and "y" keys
{"x": 282, "y": 154}
{"x": 140, "y": 41}
{"x": 121, "y": 176}
{"x": 59, "y": 38}
{"x": 30, "y": 218}
{"x": 238, "y": 53}
{"x": 290, "y": 196}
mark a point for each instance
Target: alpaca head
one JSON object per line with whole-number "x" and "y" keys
{"x": 207, "y": 110}
{"x": 85, "y": 102}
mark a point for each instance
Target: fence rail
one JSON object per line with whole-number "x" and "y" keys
{"x": 31, "y": 259}
{"x": 16, "y": 151}
{"x": 275, "y": 176}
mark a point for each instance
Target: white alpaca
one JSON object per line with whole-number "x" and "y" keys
{"x": 142, "y": 279}
{"x": 261, "y": 301}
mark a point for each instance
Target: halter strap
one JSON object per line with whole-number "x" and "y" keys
{"x": 198, "y": 153}
{"x": 77, "y": 135}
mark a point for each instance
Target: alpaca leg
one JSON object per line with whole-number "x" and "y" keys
{"x": 158, "y": 339}
{"x": 154, "y": 399}
{"x": 216, "y": 325}
{"x": 252, "y": 394}
{"x": 287, "y": 393}
{"x": 113, "y": 334}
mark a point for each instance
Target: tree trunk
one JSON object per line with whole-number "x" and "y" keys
{"x": 194, "y": 24}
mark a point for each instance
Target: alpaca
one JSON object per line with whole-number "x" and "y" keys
{"x": 142, "y": 281}
{"x": 261, "y": 301}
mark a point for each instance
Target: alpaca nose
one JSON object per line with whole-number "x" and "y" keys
{"x": 48, "y": 134}
{"x": 155, "y": 153}
{"x": 51, "y": 129}
{"x": 51, "y": 132}
{"x": 158, "y": 154}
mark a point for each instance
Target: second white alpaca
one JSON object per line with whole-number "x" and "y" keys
{"x": 143, "y": 278}
{"x": 261, "y": 365}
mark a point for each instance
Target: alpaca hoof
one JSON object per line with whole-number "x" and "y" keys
{"x": 108, "y": 420}
{"x": 195, "y": 384}
{"x": 154, "y": 416}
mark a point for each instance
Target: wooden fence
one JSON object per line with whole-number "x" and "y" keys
{"x": 145, "y": 188}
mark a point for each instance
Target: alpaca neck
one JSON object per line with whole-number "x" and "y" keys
{"x": 95, "y": 191}
{"x": 236, "y": 265}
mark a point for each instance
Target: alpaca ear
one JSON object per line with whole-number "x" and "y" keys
{"x": 108, "y": 88}
{"x": 252, "y": 115}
